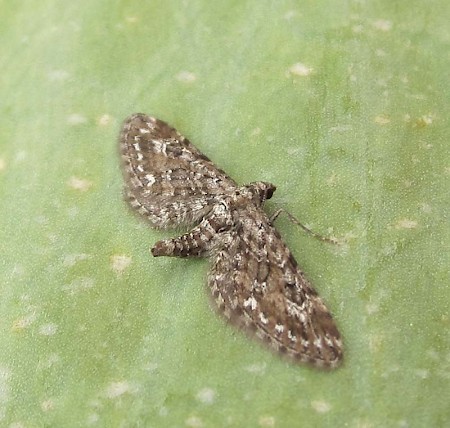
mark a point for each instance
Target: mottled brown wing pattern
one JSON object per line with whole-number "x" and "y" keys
{"x": 168, "y": 180}
{"x": 254, "y": 278}
{"x": 258, "y": 285}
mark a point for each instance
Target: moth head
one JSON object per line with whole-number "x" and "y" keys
{"x": 260, "y": 191}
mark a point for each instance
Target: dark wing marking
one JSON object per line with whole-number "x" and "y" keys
{"x": 168, "y": 180}
{"x": 257, "y": 284}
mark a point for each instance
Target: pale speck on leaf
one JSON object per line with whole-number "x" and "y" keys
{"x": 151, "y": 367}
{"x": 375, "y": 342}
{"x": 332, "y": 180}
{"x": 16, "y": 425}
{"x": 78, "y": 284}
{"x": 320, "y": 406}
{"x": 72, "y": 259}
{"x": 52, "y": 360}
{"x": 2, "y": 164}
{"x": 257, "y": 368}
{"x": 382, "y": 120}
{"x": 206, "y": 396}
{"x": 40, "y": 219}
{"x": 21, "y": 155}
{"x": 290, "y": 14}
{"x": 194, "y": 422}
{"x": 255, "y": 131}
{"x": 131, "y": 19}
{"x": 406, "y": 223}
{"x": 426, "y": 208}
{"x": 186, "y": 77}
{"x": 80, "y": 184}
{"x": 372, "y": 308}
{"x": 5, "y": 375}
{"x": 92, "y": 419}
{"x": 105, "y": 120}
{"x": 58, "y": 75}
{"x": 422, "y": 373}
{"x": 76, "y": 119}
{"x": 72, "y": 212}
{"x": 425, "y": 120}
{"x": 382, "y": 25}
{"x": 47, "y": 405}
{"x": 24, "y": 322}
{"x": 49, "y": 329}
{"x": 300, "y": 69}
{"x": 266, "y": 421}
{"x": 341, "y": 128}
{"x": 119, "y": 263}
{"x": 116, "y": 389}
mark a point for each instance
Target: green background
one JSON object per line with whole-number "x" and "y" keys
{"x": 345, "y": 106}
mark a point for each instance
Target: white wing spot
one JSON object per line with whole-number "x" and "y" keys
{"x": 150, "y": 180}
{"x": 251, "y": 301}
{"x": 160, "y": 146}
{"x": 291, "y": 336}
{"x": 279, "y": 328}
{"x": 263, "y": 319}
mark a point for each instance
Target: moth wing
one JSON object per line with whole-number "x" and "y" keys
{"x": 168, "y": 180}
{"x": 257, "y": 284}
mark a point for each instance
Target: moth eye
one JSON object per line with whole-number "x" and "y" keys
{"x": 222, "y": 229}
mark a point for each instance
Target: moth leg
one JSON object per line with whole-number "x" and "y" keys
{"x": 306, "y": 229}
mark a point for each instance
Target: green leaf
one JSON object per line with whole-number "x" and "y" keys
{"x": 344, "y": 106}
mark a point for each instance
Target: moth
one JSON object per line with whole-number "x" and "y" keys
{"x": 254, "y": 279}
